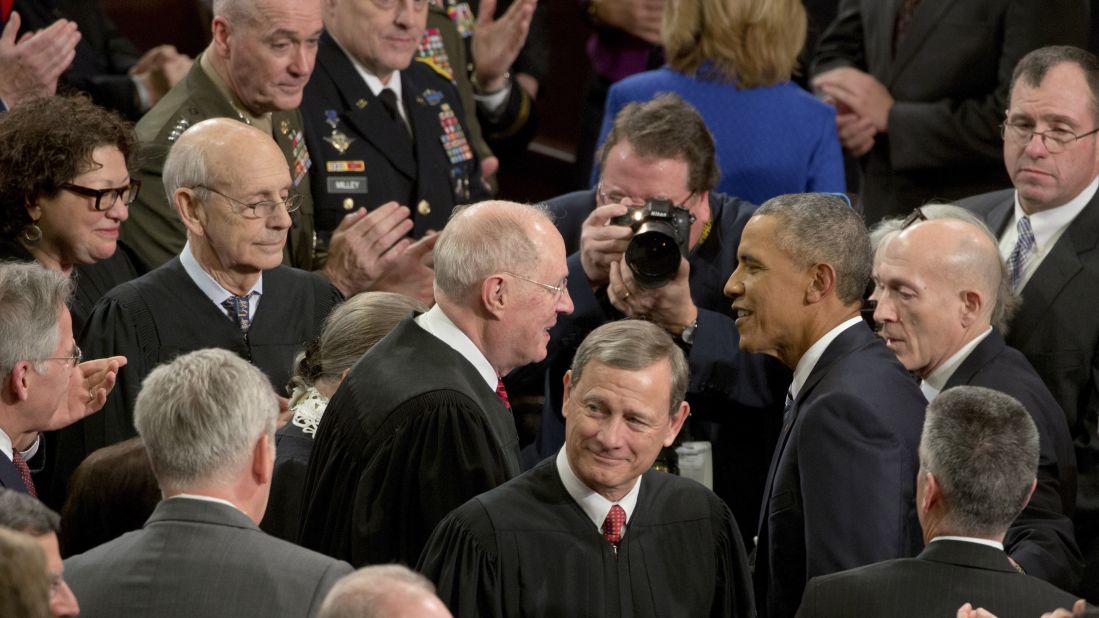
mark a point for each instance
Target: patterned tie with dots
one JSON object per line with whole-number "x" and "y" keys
{"x": 237, "y": 307}
{"x": 24, "y": 471}
{"x": 613, "y": 524}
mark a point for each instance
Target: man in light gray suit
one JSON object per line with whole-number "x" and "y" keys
{"x": 208, "y": 421}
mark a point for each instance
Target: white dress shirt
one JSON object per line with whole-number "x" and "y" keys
{"x": 594, "y": 505}
{"x": 212, "y": 289}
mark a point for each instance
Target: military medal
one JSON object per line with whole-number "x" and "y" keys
{"x": 339, "y": 140}
{"x": 284, "y": 126}
{"x": 433, "y": 97}
{"x": 462, "y": 16}
{"x": 431, "y": 48}
{"x": 453, "y": 137}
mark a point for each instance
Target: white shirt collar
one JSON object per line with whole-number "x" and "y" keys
{"x": 436, "y": 322}
{"x": 374, "y": 83}
{"x": 970, "y": 539}
{"x": 211, "y": 288}
{"x": 5, "y": 446}
{"x": 813, "y": 354}
{"x": 594, "y": 505}
{"x": 935, "y": 382}
{"x": 205, "y": 499}
{"x": 1048, "y": 226}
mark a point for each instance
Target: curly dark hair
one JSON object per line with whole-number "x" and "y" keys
{"x": 49, "y": 141}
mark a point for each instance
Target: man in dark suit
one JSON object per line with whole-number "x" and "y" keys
{"x": 919, "y": 86}
{"x": 978, "y": 459}
{"x": 1048, "y": 228}
{"x": 25, "y": 514}
{"x": 208, "y": 421}
{"x": 940, "y": 287}
{"x": 44, "y": 386}
{"x": 661, "y": 149}
{"x": 839, "y": 493}
{"x": 670, "y": 546}
{"x": 382, "y": 128}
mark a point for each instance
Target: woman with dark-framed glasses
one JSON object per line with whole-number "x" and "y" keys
{"x": 65, "y": 189}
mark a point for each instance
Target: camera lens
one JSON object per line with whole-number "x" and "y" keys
{"x": 653, "y": 254}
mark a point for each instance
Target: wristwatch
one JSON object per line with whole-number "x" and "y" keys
{"x": 688, "y": 334}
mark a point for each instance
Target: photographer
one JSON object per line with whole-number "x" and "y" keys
{"x": 662, "y": 150}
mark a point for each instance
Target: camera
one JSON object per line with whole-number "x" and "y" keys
{"x": 661, "y": 234}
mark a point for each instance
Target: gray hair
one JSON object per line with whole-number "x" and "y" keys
{"x": 1032, "y": 69}
{"x": 474, "y": 245}
{"x": 982, "y": 446}
{"x": 633, "y": 345}
{"x": 350, "y": 331}
{"x": 1006, "y": 301}
{"x": 23, "y": 513}
{"x": 31, "y": 296}
{"x": 358, "y": 595}
{"x": 24, "y": 585}
{"x": 186, "y": 167}
{"x": 242, "y": 13}
{"x": 819, "y": 228}
{"x": 201, "y": 414}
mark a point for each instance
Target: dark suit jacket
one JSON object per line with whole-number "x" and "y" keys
{"x": 1042, "y": 538}
{"x": 842, "y": 488}
{"x": 198, "y": 558}
{"x": 949, "y": 76}
{"x": 1057, "y": 330}
{"x": 945, "y": 576}
{"x": 9, "y": 476}
{"x": 386, "y": 165}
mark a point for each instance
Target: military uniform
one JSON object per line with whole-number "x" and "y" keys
{"x": 363, "y": 159}
{"x": 154, "y": 229}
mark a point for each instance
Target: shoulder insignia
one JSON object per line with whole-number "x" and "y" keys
{"x": 445, "y": 74}
{"x": 178, "y": 129}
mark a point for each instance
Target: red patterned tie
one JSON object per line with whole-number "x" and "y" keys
{"x": 502, "y": 393}
{"x": 613, "y": 524}
{"x": 24, "y": 471}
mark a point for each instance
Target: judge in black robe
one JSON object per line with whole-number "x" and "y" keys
{"x": 163, "y": 314}
{"x": 527, "y": 549}
{"x": 413, "y": 432}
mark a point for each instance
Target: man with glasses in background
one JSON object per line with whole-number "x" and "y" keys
{"x": 661, "y": 149}
{"x": 1048, "y": 230}
{"x": 233, "y": 191}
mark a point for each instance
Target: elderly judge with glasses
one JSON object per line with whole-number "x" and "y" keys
{"x": 231, "y": 187}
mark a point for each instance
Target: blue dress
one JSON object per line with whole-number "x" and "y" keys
{"x": 770, "y": 140}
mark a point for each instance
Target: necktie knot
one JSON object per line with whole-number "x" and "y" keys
{"x": 24, "y": 471}
{"x": 389, "y": 101}
{"x": 613, "y": 525}
{"x": 238, "y": 308}
{"x": 502, "y": 393}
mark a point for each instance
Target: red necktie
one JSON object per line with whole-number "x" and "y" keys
{"x": 613, "y": 524}
{"x": 502, "y": 393}
{"x": 24, "y": 471}
{"x": 5, "y": 10}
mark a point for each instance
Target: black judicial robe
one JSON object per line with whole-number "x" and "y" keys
{"x": 527, "y": 549}
{"x": 163, "y": 314}
{"x": 412, "y": 433}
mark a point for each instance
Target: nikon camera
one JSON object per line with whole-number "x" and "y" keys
{"x": 661, "y": 235}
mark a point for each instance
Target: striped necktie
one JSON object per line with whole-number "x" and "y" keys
{"x": 1024, "y": 249}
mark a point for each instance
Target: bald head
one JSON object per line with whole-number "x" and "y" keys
{"x": 937, "y": 285}
{"x": 213, "y": 150}
{"x": 384, "y": 591}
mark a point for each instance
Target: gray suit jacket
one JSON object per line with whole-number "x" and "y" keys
{"x": 198, "y": 558}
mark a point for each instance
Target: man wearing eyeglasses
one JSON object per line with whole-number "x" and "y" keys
{"x": 662, "y": 149}
{"x": 227, "y": 288}
{"x": 1048, "y": 229}
{"x": 423, "y": 423}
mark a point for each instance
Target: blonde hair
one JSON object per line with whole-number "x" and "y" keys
{"x": 752, "y": 42}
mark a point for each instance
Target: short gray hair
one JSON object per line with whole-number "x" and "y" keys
{"x": 1006, "y": 301}
{"x": 242, "y": 13}
{"x": 23, "y": 513}
{"x": 352, "y": 328}
{"x": 358, "y": 594}
{"x": 201, "y": 414}
{"x": 473, "y": 246}
{"x": 982, "y": 446}
{"x": 633, "y": 345}
{"x": 186, "y": 167}
{"x": 820, "y": 228}
{"x": 31, "y": 296}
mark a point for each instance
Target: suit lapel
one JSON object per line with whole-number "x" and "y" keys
{"x": 925, "y": 18}
{"x": 878, "y": 26}
{"x": 421, "y": 116}
{"x": 999, "y": 216}
{"x": 365, "y": 112}
{"x": 985, "y": 351}
{"x": 1060, "y": 265}
{"x": 9, "y": 476}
